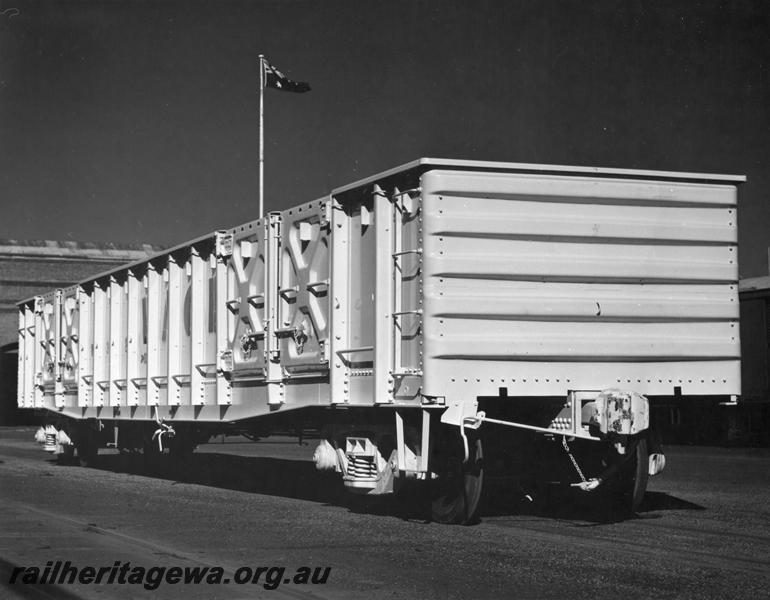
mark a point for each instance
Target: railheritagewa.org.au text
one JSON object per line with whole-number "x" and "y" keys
{"x": 151, "y": 578}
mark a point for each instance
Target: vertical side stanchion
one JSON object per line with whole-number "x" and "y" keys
{"x": 85, "y": 348}
{"x": 156, "y": 356}
{"x": 20, "y": 372}
{"x": 383, "y": 297}
{"x": 174, "y": 349}
{"x": 273, "y": 371}
{"x": 59, "y": 350}
{"x": 101, "y": 393}
{"x": 30, "y": 341}
{"x": 38, "y": 354}
{"x": 136, "y": 374}
{"x": 339, "y": 280}
{"x": 117, "y": 337}
{"x": 398, "y": 265}
{"x": 224, "y": 361}
{"x": 201, "y": 356}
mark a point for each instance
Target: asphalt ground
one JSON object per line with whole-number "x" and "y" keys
{"x": 703, "y": 530}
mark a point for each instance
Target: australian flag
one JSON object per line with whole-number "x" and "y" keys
{"x": 275, "y": 79}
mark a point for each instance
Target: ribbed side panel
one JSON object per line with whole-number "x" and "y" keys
{"x": 570, "y": 261}
{"x": 544, "y": 283}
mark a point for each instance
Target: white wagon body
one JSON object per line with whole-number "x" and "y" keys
{"x": 427, "y": 286}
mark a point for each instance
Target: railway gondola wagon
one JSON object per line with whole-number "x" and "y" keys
{"x": 432, "y": 321}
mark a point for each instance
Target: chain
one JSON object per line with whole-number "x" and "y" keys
{"x": 572, "y": 458}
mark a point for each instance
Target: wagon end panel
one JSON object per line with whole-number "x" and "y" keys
{"x": 353, "y": 291}
{"x": 377, "y": 295}
{"x": 541, "y": 284}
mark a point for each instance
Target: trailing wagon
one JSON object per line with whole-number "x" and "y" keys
{"x": 434, "y": 321}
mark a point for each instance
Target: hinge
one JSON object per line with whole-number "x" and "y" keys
{"x": 326, "y": 215}
{"x": 226, "y": 361}
{"x": 224, "y": 244}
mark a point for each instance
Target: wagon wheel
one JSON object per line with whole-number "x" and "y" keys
{"x": 67, "y": 456}
{"x": 635, "y": 478}
{"x": 628, "y": 489}
{"x": 181, "y": 448}
{"x": 152, "y": 458}
{"x": 456, "y": 491}
{"x": 183, "y": 444}
{"x": 87, "y": 446}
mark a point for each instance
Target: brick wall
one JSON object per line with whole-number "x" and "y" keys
{"x": 28, "y": 268}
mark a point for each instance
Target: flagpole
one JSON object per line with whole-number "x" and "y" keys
{"x": 261, "y": 134}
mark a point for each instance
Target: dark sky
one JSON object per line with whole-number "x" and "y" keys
{"x": 138, "y": 122}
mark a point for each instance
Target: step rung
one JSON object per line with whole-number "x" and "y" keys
{"x": 352, "y": 350}
{"x": 403, "y": 252}
{"x": 407, "y": 312}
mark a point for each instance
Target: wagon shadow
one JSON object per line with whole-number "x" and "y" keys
{"x": 288, "y": 478}
{"x": 299, "y": 479}
{"x": 604, "y": 512}
{"x": 565, "y": 504}
{"x": 654, "y": 501}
